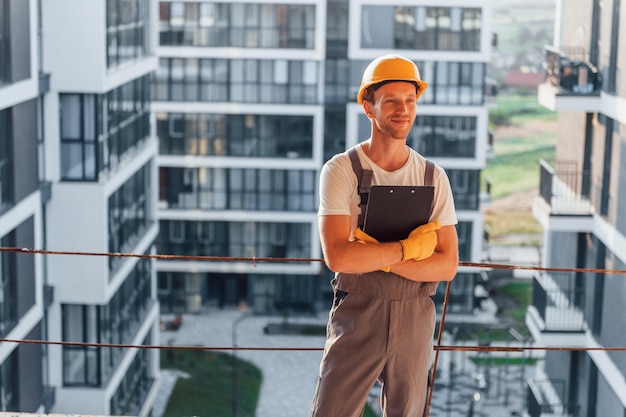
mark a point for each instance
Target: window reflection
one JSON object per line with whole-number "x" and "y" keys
{"x": 128, "y": 30}
{"x": 235, "y": 135}
{"x": 421, "y": 28}
{"x": 236, "y": 189}
{"x": 242, "y": 25}
{"x": 235, "y": 239}
{"x": 237, "y": 80}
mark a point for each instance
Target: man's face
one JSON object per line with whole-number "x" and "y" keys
{"x": 393, "y": 110}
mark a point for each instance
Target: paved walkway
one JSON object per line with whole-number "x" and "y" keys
{"x": 289, "y": 377}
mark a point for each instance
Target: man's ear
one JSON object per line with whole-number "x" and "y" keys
{"x": 367, "y": 108}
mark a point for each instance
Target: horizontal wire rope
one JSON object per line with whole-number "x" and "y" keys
{"x": 437, "y": 348}
{"x": 254, "y": 260}
{"x": 446, "y": 348}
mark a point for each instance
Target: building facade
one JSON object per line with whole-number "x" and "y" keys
{"x": 22, "y": 298}
{"x": 581, "y": 198}
{"x": 78, "y": 173}
{"x": 251, "y": 98}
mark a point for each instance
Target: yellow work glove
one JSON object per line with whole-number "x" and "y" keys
{"x": 364, "y": 237}
{"x": 421, "y": 242}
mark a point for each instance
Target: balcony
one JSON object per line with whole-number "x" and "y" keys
{"x": 573, "y": 83}
{"x": 569, "y": 198}
{"x": 557, "y": 304}
{"x": 565, "y": 188}
{"x": 544, "y": 401}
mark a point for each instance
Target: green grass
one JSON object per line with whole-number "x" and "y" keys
{"x": 515, "y": 166}
{"x": 513, "y": 313}
{"x": 521, "y": 292}
{"x": 208, "y": 391}
{"x": 510, "y": 172}
{"x": 517, "y": 109}
{"x": 369, "y": 412}
{"x": 500, "y": 361}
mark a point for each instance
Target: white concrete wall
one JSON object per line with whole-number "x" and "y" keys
{"x": 75, "y": 47}
{"x": 75, "y": 44}
{"x": 77, "y": 222}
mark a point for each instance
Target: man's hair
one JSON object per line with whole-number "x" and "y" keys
{"x": 368, "y": 94}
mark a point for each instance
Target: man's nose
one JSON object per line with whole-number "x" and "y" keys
{"x": 402, "y": 107}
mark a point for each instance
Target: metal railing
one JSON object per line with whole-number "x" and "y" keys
{"x": 573, "y": 70}
{"x": 559, "y": 302}
{"x": 543, "y": 400}
{"x": 565, "y": 188}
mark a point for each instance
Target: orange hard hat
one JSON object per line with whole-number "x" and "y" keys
{"x": 389, "y": 68}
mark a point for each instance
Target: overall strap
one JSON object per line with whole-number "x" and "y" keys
{"x": 364, "y": 179}
{"x": 428, "y": 174}
{"x": 428, "y": 179}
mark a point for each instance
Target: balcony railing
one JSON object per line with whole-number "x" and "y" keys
{"x": 572, "y": 71}
{"x": 5, "y": 57}
{"x": 48, "y": 398}
{"x": 565, "y": 188}
{"x": 543, "y": 400}
{"x": 559, "y": 302}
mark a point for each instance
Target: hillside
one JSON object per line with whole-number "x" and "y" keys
{"x": 523, "y": 29}
{"x": 519, "y": 142}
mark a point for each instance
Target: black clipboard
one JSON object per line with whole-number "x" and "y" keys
{"x": 394, "y": 211}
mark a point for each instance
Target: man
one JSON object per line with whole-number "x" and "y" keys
{"x": 382, "y": 321}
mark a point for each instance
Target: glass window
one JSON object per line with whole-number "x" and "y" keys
{"x": 444, "y": 136}
{"x": 134, "y": 388}
{"x": 207, "y": 14}
{"x": 80, "y": 363}
{"x": 130, "y": 214}
{"x": 465, "y": 186}
{"x": 249, "y": 25}
{"x": 128, "y": 30}
{"x": 219, "y": 188}
{"x": 421, "y": 28}
{"x": 70, "y": 116}
{"x": 464, "y": 230}
{"x": 280, "y": 72}
{"x": 453, "y": 82}
{"x": 8, "y": 308}
{"x": 6, "y": 160}
{"x": 117, "y": 322}
{"x": 191, "y": 80}
{"x": 8, "y": 385}
{"x": 177, "y": 14}
{"x": 5, "y": 46}
{"x": 236, "y": 135}
{"x": 96, "y": 130}
{"x": 245, "y": 239}
{"x": 239, "y": 80}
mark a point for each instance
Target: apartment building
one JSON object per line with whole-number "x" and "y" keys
{"x": 251, "y": 98}
{"x": 22, "y": 299}
{"x": 78, "y": 174}
{"x": 582, "y": 194}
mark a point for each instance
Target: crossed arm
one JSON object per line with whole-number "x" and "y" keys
{"x": 344, "y": 255}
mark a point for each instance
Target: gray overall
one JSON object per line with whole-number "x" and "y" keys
{"x": 381, "y": 327}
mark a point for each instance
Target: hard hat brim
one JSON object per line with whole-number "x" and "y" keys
{"x": 419, "y": 85}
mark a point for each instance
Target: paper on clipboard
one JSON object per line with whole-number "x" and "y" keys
{"x": 394, "y": 211}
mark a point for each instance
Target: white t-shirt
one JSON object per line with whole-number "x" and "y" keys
{"x": 338, "y": 186}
